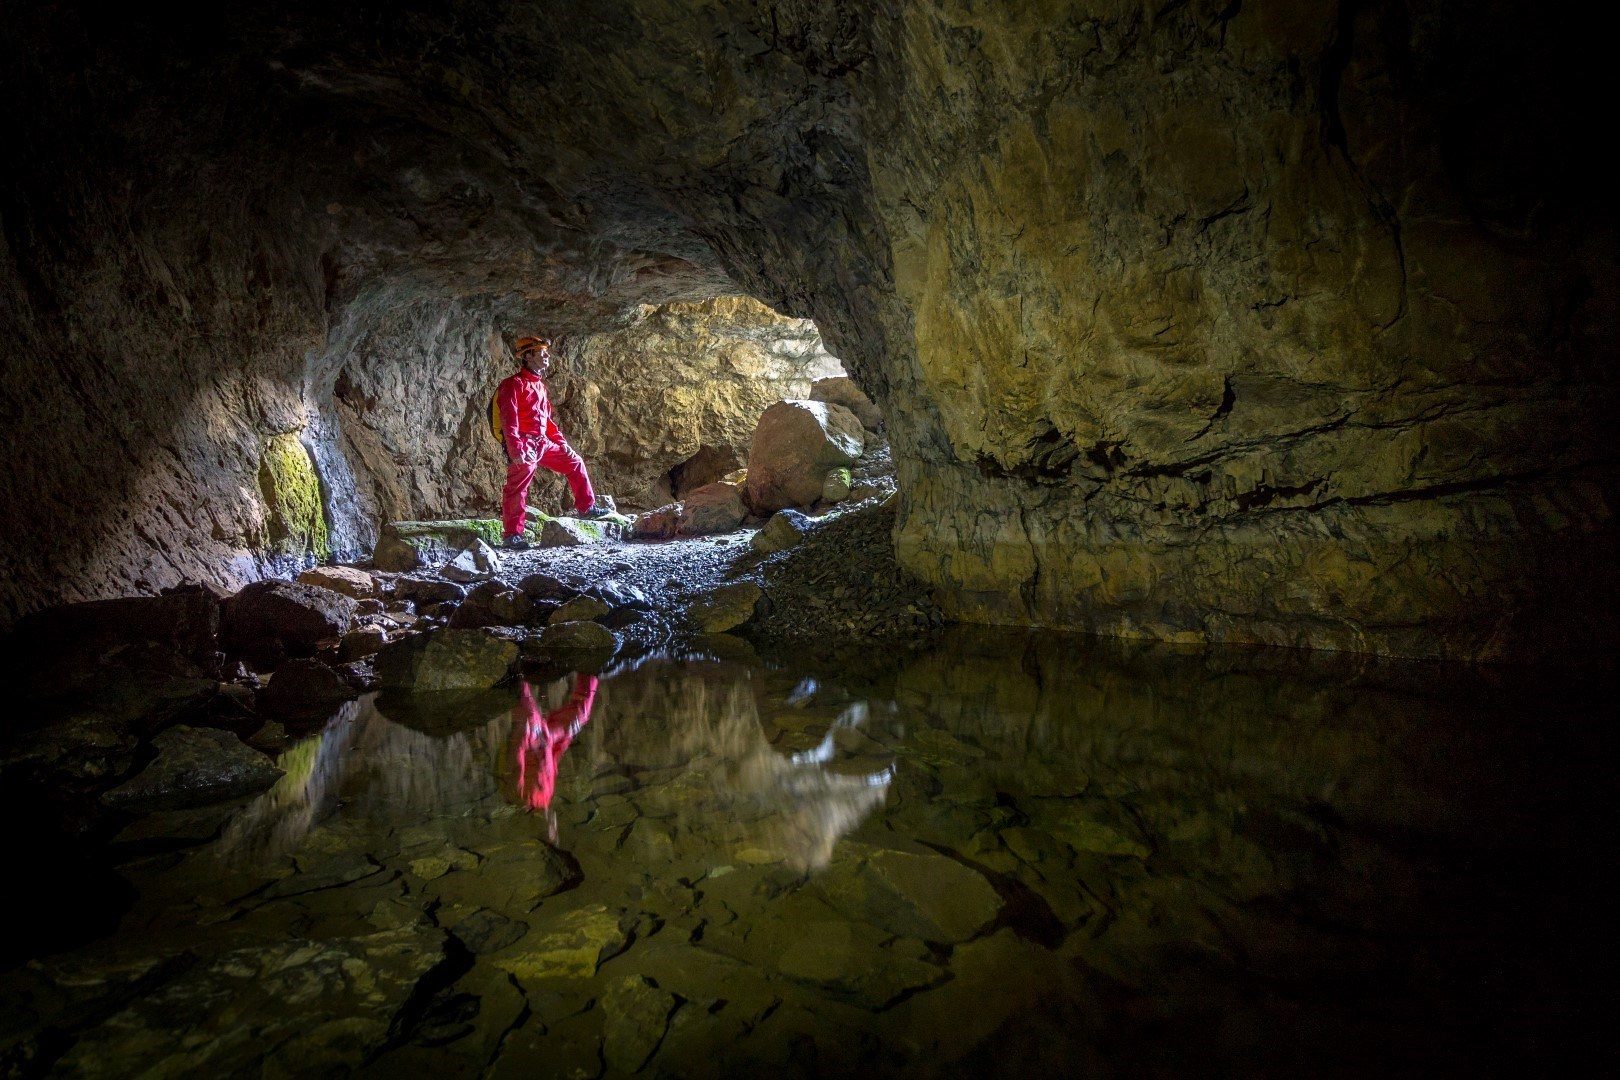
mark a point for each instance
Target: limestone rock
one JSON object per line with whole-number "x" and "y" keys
{"x": 546, "y": 587}
{"x": 305, "y": 687}
{"x": 636, "y": 1017}
{"x": 355, "y": 584}
{"x": 428, "y": 590}
{"x": 493, "y": 603}
{"x": 476, "y": 563}
{"x": 362, "y": 642}
{"x": 446, "y": 660}
{"x": 841, "y": 390}
{"x": 659, "y": 524}
{"x": 577, "y": 636}
{"x": 619, "y": 594}
{"x": 794, "y": 447}
{"x": 836, "y": 487}
{"x": 726, "y": 608}
{"x": 570, "y": 947}
{"x": 713, "y": 508}
{"x": 284, "y": 613}
{"x": 580, "y": 608}
{"x": 572, "y": 532}
{"x": 403, "y": 546}
{"x": 194, "y": 767}
{"x": 784, "y": 530}
{"x": 913, "y": 895}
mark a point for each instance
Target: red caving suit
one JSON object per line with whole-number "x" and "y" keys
{"x": 533, "y": 442}
{"x": 541, "y": 740}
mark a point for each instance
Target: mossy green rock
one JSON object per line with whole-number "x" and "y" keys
{"x": 295, "y": 510}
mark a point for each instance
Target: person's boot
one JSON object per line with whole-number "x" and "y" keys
{"x": 516, "y": 543}
{"x": 601, "y": 508}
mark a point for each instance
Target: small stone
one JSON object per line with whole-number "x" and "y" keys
{"x": 476, "y": 563}
{"x": 836, "y": 487}
{"x": 369, "y": 607}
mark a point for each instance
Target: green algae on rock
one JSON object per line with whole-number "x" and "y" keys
{"x": 295, "y": 509}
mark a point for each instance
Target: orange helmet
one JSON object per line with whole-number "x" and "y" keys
{"x": 528, "y": 343}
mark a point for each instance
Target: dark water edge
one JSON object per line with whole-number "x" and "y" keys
{"x": 1013, "y": 852}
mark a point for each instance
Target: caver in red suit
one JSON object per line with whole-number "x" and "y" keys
{"x": 532, "y": 439}
{"x": 541, "y": 740}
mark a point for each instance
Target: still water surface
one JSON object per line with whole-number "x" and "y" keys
{"x": 1014, "y": 853}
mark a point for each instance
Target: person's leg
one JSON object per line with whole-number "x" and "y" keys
{"x": 515, "y": 497}
{"x": 563, "y": 459}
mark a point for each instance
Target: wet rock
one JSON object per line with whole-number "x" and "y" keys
{"x": 324, "y": 1005}
{"x": 659, "y": 524}
{"x": 359, "y": 674}
{"x": 635, "y": 1017}
{"x": 924, "y": 896}
{"x": 580, "y": 609}
{"x": 794, "y": 447}
{"x": 836, "y": 487}
{"x": 476, "y": 562}
{"x": 366, "y": 608}
{"x": 567, "y": 947}
{"x": 841, "y": 390}
{"x": 425, "y": 590}
{"x": 725, "y": 608}
{"x": 618, "y": 594}
{"x": 83, "y": 750}
{"x": 493, "y": 603}
{"x": 488, "y": 931}
{"x": 355, "y": 584}
{"x": 284, "y": 615}
{"x": 546, "y": 587}
{"x": 303, "y": 688}
{"x": 574, "y": 637}
{"x": 194, "y": 767}
{"x": 446, "y": 660}
{"x": 784, "y": 530}
{"x": 362, "y": 642}
{"x": 713, "y": 508}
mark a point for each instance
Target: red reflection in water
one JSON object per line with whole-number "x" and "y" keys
{"x": 541, "y": 740}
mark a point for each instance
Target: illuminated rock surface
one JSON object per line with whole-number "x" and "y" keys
{"x": 1257, "y": 323}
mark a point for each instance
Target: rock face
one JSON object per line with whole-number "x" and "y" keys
{"x": 1259, "y": 323}
{"x": 795, "y": 446}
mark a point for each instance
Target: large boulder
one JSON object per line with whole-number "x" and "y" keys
{"x": 185, "y": 618}
{"x": 353, "y": 583}
{"x": 194, "y": 767}
{"x": 304, "y": 687}
{"x": 268, "y": 616}
{"x": 712, "y": 508}
{"x": 494, "y": 603}
{"x": 447, "y": 660}
{"x": 794, "y": 447}
{"x": 841, "y": 390}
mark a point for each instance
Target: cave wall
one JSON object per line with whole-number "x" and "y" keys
{"x": 1254, "y": 322}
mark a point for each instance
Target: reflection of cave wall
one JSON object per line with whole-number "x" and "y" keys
{"x": 1260, "y": 322}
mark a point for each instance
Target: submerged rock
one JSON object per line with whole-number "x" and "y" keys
{"x": 636, "y": 1015}
{"x": 784, "y": 530}
{"x": 794, "y": 447}
{"x": 353, "y": 583}
{"x": 924, "y": 896}
{"x": 194, "y": 767}
{"x": 446, "y": 660}
{"x": 284, "y": 614}
{"x": 569, "y": 948}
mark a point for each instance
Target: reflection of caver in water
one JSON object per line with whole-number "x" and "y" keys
{"x": 541, "y": 741}
{"x": 533, "y": 442}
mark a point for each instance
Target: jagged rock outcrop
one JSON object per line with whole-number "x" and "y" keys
{"x": 1253, "y": 322}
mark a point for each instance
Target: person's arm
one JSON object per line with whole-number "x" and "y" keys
{"x": 553, "y": 433}
{"x": 507, "y": 401}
